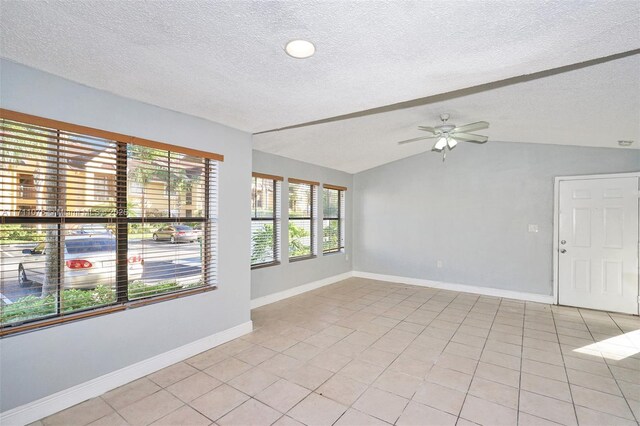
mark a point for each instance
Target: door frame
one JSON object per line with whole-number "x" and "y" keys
{"x": 556, "y": 221}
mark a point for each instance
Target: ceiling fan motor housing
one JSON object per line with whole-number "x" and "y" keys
{"x": 446, "y": 128}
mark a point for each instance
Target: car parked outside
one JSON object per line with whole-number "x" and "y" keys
{"x": 175, "y": 234}
{"x": 89, "y": 260}
{"x": 199, "y": 231}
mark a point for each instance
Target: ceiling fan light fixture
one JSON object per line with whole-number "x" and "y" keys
{"x": 452, "y": 142}
{"x": 441, "y": 143}
{"x": 300, "y": 49}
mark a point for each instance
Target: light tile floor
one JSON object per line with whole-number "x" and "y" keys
{"x": 364, "y": 352}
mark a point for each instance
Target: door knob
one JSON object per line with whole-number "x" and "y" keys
{"x": 563, "y": 242}
{"x": 563, "y": 251}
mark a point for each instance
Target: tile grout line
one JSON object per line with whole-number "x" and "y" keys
{"x": 524, "y": 319}
{"x": 564, "y": 365}
{"x": 609, "y": 368}
{"x": 314, "y": 390}
{"x": 397, "y": 356}
{"x": 614, "y": 376}
{"x": 478, "y": 361}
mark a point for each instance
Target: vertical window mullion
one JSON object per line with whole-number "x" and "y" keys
{"x": 275, "y": 225}
{"x": 122, "y": 225}
{"x": 169, "y": 184}
{"x": 311, "y": 220}
{"x": 59, "y": 214}
{"x": 339, "y": 220}
{"x": 207, "y": 225}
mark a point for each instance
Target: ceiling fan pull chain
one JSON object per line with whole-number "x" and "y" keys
{"x": 444, "y": 154}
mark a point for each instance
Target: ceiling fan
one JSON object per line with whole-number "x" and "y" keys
{"x": 449, "y": 135}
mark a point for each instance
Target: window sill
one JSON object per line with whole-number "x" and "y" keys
{"x": 333, "y": 252}
{"x": 299, "y": 258}
{"x": 265, "y": 265}
{"x": 10, "y": 330}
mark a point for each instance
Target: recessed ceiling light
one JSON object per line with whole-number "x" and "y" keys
{"x": 300, "y": 49}
{"x": 625, "y": 143}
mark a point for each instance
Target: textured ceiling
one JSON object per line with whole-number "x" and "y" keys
{"x": 223, "y": 60}
{"x": 593, "y": 106}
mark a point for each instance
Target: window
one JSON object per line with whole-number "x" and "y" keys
{"x": 26, "y": 186}
{"x": 302, "y": 217}
{"x": 333, "y": 218}
{"x": 88, "y": 245}
{"x": 104, "y": 186}
{"x": 265, "y": 220}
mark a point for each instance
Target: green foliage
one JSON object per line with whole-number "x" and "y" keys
{"x": 11, "y": 233}
{"x": 151, "y": 168}
{"x": 75, "y": 299}
{"x": 27, "y": 307}
{"x": 72, "y": 300}
{"x": 296, "y": 246}
{"x": 262, "y": 244}
{"x": 138, "y": 289}
{"x": 330, "y": 236}
{"x": 146, "y": 156}
{"x": 145, "y": 230}
{"x": 330, "y": 202}
{"x": 30, "y": 307}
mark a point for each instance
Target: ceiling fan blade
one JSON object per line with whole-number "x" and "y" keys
{"x": 470, "y": 137}
{"x": 472, "y": 127}
{"x": 415, "y": 139}
{"x": 428, "y": 129}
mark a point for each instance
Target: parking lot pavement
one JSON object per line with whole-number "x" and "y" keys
{"x": 157, "y": 267}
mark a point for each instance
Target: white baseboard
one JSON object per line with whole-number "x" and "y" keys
{"x": 69, "y": 397}
{"x": 485, "y": 291}
{"x": 275, "y": 297}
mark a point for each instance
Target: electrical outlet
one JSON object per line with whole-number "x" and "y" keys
{"x": 439, "y": 263}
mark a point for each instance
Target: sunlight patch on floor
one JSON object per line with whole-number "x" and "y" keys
{"x": 615, "y": 348}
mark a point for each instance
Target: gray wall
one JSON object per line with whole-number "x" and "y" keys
{"x": 273, "y": 279}
{"x": 472, "y": 212}
{"x": 42, "y": 362}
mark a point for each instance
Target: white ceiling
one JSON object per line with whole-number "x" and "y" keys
{"x": 223, "y": 60}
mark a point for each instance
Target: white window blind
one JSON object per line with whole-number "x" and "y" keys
{"x": 265, "y": 219}
{"x": 333, "y": 219}
{"x": 302, "y": 218}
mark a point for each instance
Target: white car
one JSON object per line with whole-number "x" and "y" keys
{"x": 89, "y": 260}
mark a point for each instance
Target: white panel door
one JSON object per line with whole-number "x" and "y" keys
{"x": 598, "y": 244}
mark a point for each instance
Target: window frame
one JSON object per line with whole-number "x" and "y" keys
{"x": 312, "y": 218}
{"x": 340, "y": 219}
{"x": 275, "y": 219}
{"x": 120, "y": 220}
